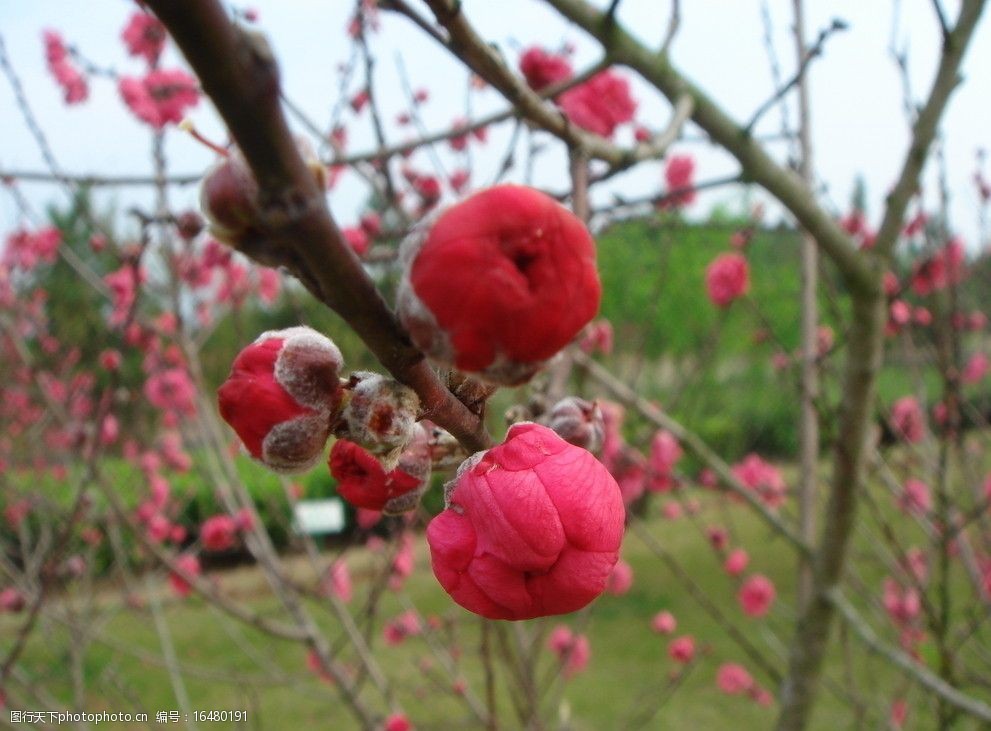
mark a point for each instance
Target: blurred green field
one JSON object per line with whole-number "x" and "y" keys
{"x": 227, "y": 665}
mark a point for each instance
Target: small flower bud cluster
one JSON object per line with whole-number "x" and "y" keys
{"x": 285, "y": 397}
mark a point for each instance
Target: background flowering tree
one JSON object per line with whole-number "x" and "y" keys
{"x": 867, "y": 566}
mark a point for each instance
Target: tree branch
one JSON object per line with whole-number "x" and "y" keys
{"x": 757, "y": 165}
{"x": 239, "y": 74}
{"x": 691, "y": 441}
{"x": 805, "y": 60}
{"x": 472, "y": 50}
{"x": 926, "y": 124}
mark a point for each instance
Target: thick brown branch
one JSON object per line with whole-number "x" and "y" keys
{"x": 237, "y": 71}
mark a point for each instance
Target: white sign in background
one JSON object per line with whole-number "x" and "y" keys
{"x": 315, "y": 517}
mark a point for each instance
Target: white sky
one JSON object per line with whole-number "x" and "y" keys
{"x": 859, "y": 124}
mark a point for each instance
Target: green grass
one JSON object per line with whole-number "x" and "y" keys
{"x": 235, "y": 667}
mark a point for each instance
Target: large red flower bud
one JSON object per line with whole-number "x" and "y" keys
{"x": 364, "y": 482}
{"x": 499, "y": 283}
{"x": 532, "y": 528}
{"x": 282, "y": 395}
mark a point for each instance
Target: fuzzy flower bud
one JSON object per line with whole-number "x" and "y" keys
{"x": 532, "y": 528}
{"x": 281, "y": 397}
{"x": 578, "y": 422}
{"x": 363, "y": 481}
{"x": 229, "y": 195}
{"x": 379, "y": 414}
{"x": 499, "y": 283}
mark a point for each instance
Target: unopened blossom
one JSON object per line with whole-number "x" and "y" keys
{"x": 11, "y": 600}
{"x": 682, "y": 649}
{"x": 144, "y": 36}
{"x": 915, "y": 497}
{"x": 601, "y": 104}
{"x": 679, "y": 176}
{"x": 572, "y": 649}
{"x": 281, "y": 395}
{"x": 363, "y": 481}
{"x": 663, "y": 623}
{"x": 727, "y": 278}
{"x": 66, "y": 75}
{"x": 620, "y": 579}
{"x": 733, "y": 679}
{"x": 578, "y": 422}
{"x": 186, "y": 563}
{"x": 161, "y": 97}
{"x": 665, "y": 451}
{"x": 763, "y": 478}
{"x": 542, "y": 68}
{"x": 907, "y": 419}
{"x": 736, "y": 562}
{"x": 756, "y": 595}
{"x": 531, "y": 528}
{"x": 218, "y": 533}
{"x": 499, "y": 283}
{"x": 399, "y": 628}
{"x": 975, "y": 369}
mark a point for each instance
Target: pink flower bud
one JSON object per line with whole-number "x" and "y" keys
{"x": 379, "y": 414}
{"x": 663, "y": 623}
{"x": 727, "y": 278}
{"x": 281, "y": 396}
{"x": 756, "y": 595}
{"x": 371, "y": 224}
{"x": 218, "y": 533}
{"x": 682, "y": 649}
{"x": 229, "y": 195}
{"x": 578, "y": 422}
{"x": 186, "y": 563}
{"x": 907, "y": 419}
{"x": 499, "y": 283}
{"x": 229, "y": 198}
{"x": 11, "y": 600}
{"x": 337, "y": 581}
{"x": 397, "y": 722}
{"x": 736, "y": 562}
{"x": 733, "y": 679}
{"x": 664, "y": 454}
{"x": 572, "y": 650}
{"x": 620, "y": 578}
{"x": 189, "y": 224}
{"x": 542, "y": 69}
{"x": 532, "y": 528}
{"x": 976, "y": 369}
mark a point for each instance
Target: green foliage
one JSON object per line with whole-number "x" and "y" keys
{"x": 710, "y": 368}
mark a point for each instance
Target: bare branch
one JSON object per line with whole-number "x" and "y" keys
{"x": 239, "y": 74}
{"x": 926, "y": 124}
{"x": 757, "y": 165}
{"x": 674, "y": 22}
{"x": 691, "y": 441}
{"x": 911, "y": 667}
{"x": 808, "y": 56}
{"x": 465, "y": 43}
